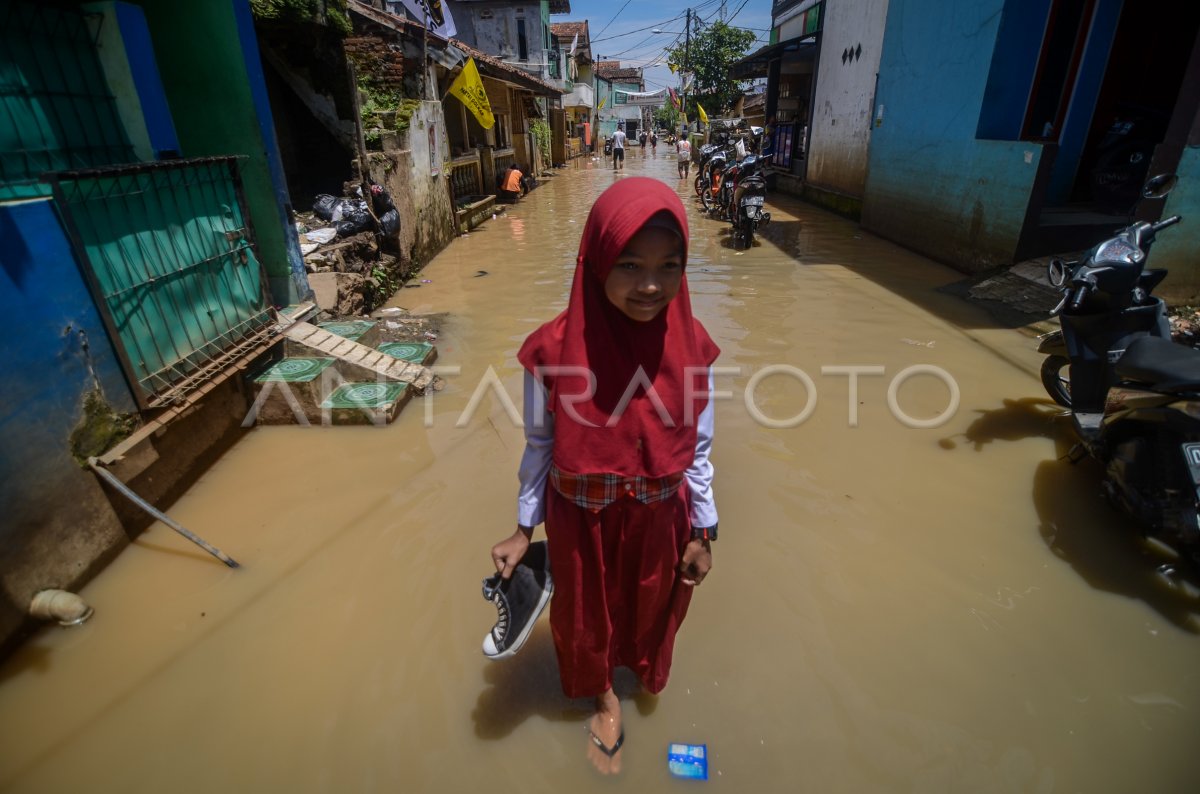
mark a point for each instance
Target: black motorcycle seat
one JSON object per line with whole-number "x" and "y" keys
{"x": 1160, "y": 363}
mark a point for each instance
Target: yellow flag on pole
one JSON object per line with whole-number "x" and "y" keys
{"x": 601, "y": 105}
{"x": 703, "y": 115}
{"x": 468, "y": 88}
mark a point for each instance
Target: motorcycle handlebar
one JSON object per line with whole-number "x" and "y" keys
{"x": 1165, "y": 222}
{"x": 1078, "y": 296}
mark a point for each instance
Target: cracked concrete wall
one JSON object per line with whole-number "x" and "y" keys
{"x": 841, "y": 119}
{"x": 418, "y": 184}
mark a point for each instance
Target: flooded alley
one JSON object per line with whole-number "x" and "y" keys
{"x": 893, "y": 607}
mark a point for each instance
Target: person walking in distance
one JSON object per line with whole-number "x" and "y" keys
{"x": 618, "y": 149}
{"x": 683, "y": 152}
{"x": 618, "y": 426}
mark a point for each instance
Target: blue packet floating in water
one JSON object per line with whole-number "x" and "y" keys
{"x": 688, "y": 761}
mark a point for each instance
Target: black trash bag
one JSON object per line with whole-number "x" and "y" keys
{"x": 355, "y": 222}
{"x": 381, "y": 200}
{"x": 389, "y": 222}
{"x": 323, "y": 206}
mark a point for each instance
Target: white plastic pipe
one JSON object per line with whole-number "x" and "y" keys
{"x": 67, "y": 608}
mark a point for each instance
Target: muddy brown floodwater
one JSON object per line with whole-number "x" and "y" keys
{"x": 947, "y": 609}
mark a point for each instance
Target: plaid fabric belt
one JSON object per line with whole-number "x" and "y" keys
{"x": 597, "y": 491}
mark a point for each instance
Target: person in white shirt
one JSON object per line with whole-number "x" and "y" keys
{"x": 683, "y": 151}
{"x": 618, "y": 149}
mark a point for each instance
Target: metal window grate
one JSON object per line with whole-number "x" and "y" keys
{"x": 56, "y": 110}
{"x": 169, "y": 254}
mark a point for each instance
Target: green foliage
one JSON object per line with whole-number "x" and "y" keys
{"x": 304, "y": 11}
{"x": 387, "y": 281}
{"x": 713, "y": 50}
{"x": 541, "y": 133}
{"x": 667, "y": 117}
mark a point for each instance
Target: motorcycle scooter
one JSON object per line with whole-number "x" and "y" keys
{"x": 749, "y": 196}
{"x": 1134, "y": 395}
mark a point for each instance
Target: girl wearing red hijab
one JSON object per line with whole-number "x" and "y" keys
{"x": 618, "y": 426}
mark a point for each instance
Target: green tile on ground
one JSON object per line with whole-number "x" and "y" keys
{"x": 350, "y": 329}
{"x": 364, "y": 395}
{"x": 295, "y": 370}
{"x": 416, "y": 352}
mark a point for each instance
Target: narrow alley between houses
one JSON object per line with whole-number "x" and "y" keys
{"x": 891, "y": 607}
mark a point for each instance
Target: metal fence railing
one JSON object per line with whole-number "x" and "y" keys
{"x": 466, "y": 178}
{"x": 168, "y": 252}
{"x": 56, "y": 109}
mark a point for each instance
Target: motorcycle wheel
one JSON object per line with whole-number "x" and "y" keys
{"x": 747, "y": 233}
{"x": 1056, "y": 379}
{"x": 706, "y": 198}
{"x": 699, "y": 184}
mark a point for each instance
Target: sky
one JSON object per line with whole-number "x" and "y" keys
{"x": 621, "y": 31}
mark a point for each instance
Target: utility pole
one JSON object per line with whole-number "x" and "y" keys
{"x": 687, "y": 44}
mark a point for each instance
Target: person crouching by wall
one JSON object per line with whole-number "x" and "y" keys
{"x": 512, "y": 186}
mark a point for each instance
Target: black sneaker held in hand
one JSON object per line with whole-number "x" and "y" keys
{"x": 519, "y": 600}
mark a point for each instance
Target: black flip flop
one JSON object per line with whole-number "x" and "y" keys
{"x": 604, "y": 748}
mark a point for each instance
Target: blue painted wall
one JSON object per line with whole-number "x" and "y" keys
{"x": 1014, "y": 63}
{"x": 55, "y": 521}
{"x": 1176, "y": 249}
{"x": 933, "y": 185}
{"x": 139, "y": 50}
{"x": 49, "y": 312}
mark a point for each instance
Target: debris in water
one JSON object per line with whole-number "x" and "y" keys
{"x": 688, "y": 761}
{"x": 917, "y": 343}
{"x": 480, "y": 273}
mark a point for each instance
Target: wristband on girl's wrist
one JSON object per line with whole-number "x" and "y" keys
{"x": 705, "y": 533}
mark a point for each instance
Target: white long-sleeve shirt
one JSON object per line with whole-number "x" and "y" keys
{"x": 539, "y": 447}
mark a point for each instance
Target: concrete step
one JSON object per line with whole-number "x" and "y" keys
{"x": 340, "y": 381}
{"x": 364, "y": 332}
{"x": 372, "y": 363}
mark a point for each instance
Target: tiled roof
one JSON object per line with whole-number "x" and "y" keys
{"x": 755, "y": 101}
{"x": 611, "y": 70}
{"x": 566, "y": 31}
{"x": 494, "y": 67}
{"x": 560, "y": 6}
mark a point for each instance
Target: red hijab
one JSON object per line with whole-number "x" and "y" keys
{"x": 655, "y": 433}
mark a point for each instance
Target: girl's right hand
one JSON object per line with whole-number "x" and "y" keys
{"x": 508, "y": 552}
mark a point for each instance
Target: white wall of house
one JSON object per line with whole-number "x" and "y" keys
{"x": 495, "y": 29}
{"x": 842, "y": 110}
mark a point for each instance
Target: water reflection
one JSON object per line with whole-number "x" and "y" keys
{"x": 1075, "y": 520}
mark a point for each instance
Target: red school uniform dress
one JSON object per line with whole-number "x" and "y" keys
{"x": 619, "y": 488}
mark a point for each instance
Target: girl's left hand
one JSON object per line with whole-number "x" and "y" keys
{"x": 696, "y": 562}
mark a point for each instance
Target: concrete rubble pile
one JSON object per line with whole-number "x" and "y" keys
{"x": 351, "y": 251}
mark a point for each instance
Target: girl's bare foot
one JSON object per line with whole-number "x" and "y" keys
{"x": 606, "y": 734}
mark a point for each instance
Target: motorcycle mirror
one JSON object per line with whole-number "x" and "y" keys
{"x": 1159, "y": 186}
{"x": 1056, "y": 272}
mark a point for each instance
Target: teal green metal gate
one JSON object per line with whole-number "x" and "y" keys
{"x": 168, "y": 252}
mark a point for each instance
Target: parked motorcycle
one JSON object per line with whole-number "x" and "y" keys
{"x": 1134, "y": 395}
{"x": 749, "y": 197}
